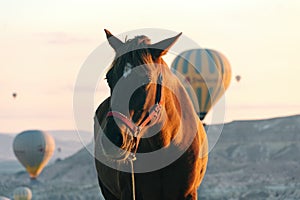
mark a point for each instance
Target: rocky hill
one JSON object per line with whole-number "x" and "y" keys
{"x": 251, "y": 160}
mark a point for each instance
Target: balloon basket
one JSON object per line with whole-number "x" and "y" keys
{"x": 34, "y": 181}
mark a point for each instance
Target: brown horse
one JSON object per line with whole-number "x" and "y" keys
{"x": 149, "y": 121}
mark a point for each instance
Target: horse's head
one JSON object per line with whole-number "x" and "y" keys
{"x": 135, "y": 80}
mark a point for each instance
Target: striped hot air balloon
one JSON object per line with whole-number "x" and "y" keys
{"x": 208, "y": 72}
{"x": 22, "y": 193}
{"x": 33, "y": 149}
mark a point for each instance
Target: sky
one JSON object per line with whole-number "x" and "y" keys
{"x": 43, "y": 45}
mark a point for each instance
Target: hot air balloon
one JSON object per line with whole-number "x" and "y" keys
{"x": 14, "y": 95}
{"x": 208, "y": 72}
{"x": 22, "y": 193}
{"x": 238, "y": 78}
{"x": 33, "y": 149}
{"x": 4, "y": 198}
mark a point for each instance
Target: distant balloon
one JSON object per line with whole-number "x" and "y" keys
{"x": 33, "y": 149}
{"x": 4, "y": 198}
{"x": 208, "y": 72}
{"x": 22, "y": 193}
{"x": 238, "y": 78}
{"x": 59, "y": 149}
{"x": 14, "y": 95}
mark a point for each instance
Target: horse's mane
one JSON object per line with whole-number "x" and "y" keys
{"x": 134, "y": 51}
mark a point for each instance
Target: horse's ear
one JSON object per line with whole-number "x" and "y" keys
{"x": 161, "y": 48}
{"x": 114, "y": 42}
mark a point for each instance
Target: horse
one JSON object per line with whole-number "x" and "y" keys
{"x": 124, "y": 124}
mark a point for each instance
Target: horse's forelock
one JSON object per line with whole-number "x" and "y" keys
{"x": 135, "y": 51}
{"x": 138, "y": 40}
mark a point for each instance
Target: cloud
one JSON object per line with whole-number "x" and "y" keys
{"x": 62, "y": 38}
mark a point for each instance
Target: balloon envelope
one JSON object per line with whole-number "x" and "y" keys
{"x": 208, "y": 72}
{"x": 14, "y": 95}
{"x": 22, "y": 193}
{"x": 33, "y": 149}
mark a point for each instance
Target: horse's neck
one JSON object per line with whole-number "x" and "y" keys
{"x": 181, "y": 120}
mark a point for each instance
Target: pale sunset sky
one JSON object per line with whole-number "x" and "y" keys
{"x": 43, "y": 45}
